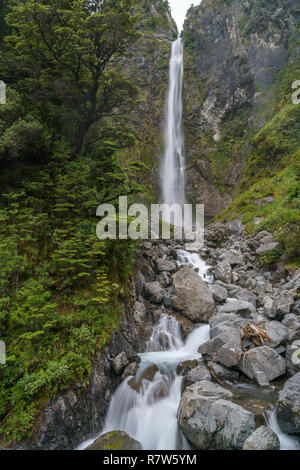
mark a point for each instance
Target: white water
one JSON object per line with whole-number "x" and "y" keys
{"x": 149, "y": 413}
{"x": 173, "y": 165}
{"x": 185, "y": 257}
{"x": 286, "y": 442}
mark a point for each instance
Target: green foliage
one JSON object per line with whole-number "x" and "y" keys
{"x": 270, "y": 257}
{"x": 60, "y": 133}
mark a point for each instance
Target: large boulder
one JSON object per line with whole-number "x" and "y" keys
{"x": 264, "y": 248}
{"x": 262, "y": 439}
{"x": 198, "y": 374}
{"x": 288, "y": 407}
{"x": 233, "y": 257}
{"x": 115, "y": 440}
{"x": 210, "y": 421}
{"x": 262, "y": 362}
{"x": 192, "y": 297}
{"x": 223, "y": 272}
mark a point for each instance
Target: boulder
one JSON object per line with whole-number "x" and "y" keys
{"x": 224, "y": 348}
{"x": 115, "y": 440}
{"x": 262, "y": 360}
{"x": 210, "y": 421}
{"x": 223, "y": 373}
{"x": 120, "y": 362}
{"x": 270, "y": 307}
{"x": 239, "y": 307}
{"x": 233, "y": 257}
{"x": 288, "y": 407}
{"x": 218, "y": 292}
{"x": 198, "y": 374}
{"x": 153, "y": 292}
{"x": 277, "y": 332}
{"x": 285, "y": 303}
{"x": 161, "y": 265}
{"x": 185, "y": 367}
{"x": 223, "y": 272}
{"x": 267, "y": 247}
{"x": 262, "y": 438}
{"x": 192, "y": 297}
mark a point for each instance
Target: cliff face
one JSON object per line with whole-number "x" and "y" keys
{"x": 234, "y": 53}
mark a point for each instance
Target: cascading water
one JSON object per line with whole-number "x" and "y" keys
{"x": 173, "y": 164}
{"x": 146, "y": 406}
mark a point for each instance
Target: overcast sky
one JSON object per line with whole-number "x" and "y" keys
{"x": 179, "y": 9}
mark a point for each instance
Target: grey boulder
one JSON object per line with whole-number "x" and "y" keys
{"x": 120, "y": 362}
{"x": 153, "y": 292}
{"x": 288, "y": 407}
{"x": 223, "y": 272}
{"x": 192, "y": 297}
{"x": 210, "y": 421}
{"x": 262, "y": 362}
{"x": 262, "y": 438}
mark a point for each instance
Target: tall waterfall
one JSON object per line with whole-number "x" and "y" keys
{"x": 173, "y": 164}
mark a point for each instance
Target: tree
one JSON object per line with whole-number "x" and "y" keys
{"x": 65, "y": 56}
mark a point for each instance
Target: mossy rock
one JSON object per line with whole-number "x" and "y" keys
{"x": 115, "y": 440}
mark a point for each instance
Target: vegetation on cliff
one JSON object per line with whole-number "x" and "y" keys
{"x": 65, "y": 121}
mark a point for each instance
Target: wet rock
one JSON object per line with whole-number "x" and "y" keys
{"x": 218, "y": 292}
{"x": 120, "y": 362}
{"x": 153, "y": 292}
{"x": 115, "y": 440}
{"x": 262, "y": 439}
{"x": 148, "y": 374}
{"x": 185, "y": 367}
{"x": 130, "y": 370}
{"x": 223, "y": 272}
{"x": 210, "y": 421}
{"x": 262, "y": 359}
{"x": 165, "y": 265}
{"x": 288, "y": 408}
{"x": 191, "y": 296}
{"x": 292, "y": 357}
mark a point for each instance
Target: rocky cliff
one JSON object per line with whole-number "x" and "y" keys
{"x": 235, "y": 55}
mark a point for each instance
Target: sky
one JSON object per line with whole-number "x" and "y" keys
{"x": 179, "y": 9}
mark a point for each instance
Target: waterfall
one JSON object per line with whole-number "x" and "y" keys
{"x": 173, "y": 164}
{"x": 146, "y": 406}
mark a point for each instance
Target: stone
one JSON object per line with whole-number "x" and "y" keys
{"x": 115, "y": 440}
{"x": 270, "y": 307}
{"x": 192, "y": 297}
{"x": 198, "y": 374}
{"x": 223, "y": 373}
{"x": 233, "y": 257}
{"x": 277, "y": 332}
{"x": 219, "y": 293}
{"x": 224, "y": 348}
{"x": 285, "y": 303}
{"x": 267, "y": 247}
{"x": 238, "y": 307}
{"x": 165, "y": 265}
{"x": 130, "y": 370}
{"x": 263, "y": 359}
{"x": 154, "y": 292}
{"x": 235, "y": 226}
{"x": 120, "y": 362}
{"x": 185, "y": 367}
{"x": 210, "y": 421}
{"x": 288, "y": 407}
{"x": 262, "y": 438}
{"x": 223, "y": 272}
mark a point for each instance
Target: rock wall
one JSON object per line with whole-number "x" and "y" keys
{"x": 234, "y": 51}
